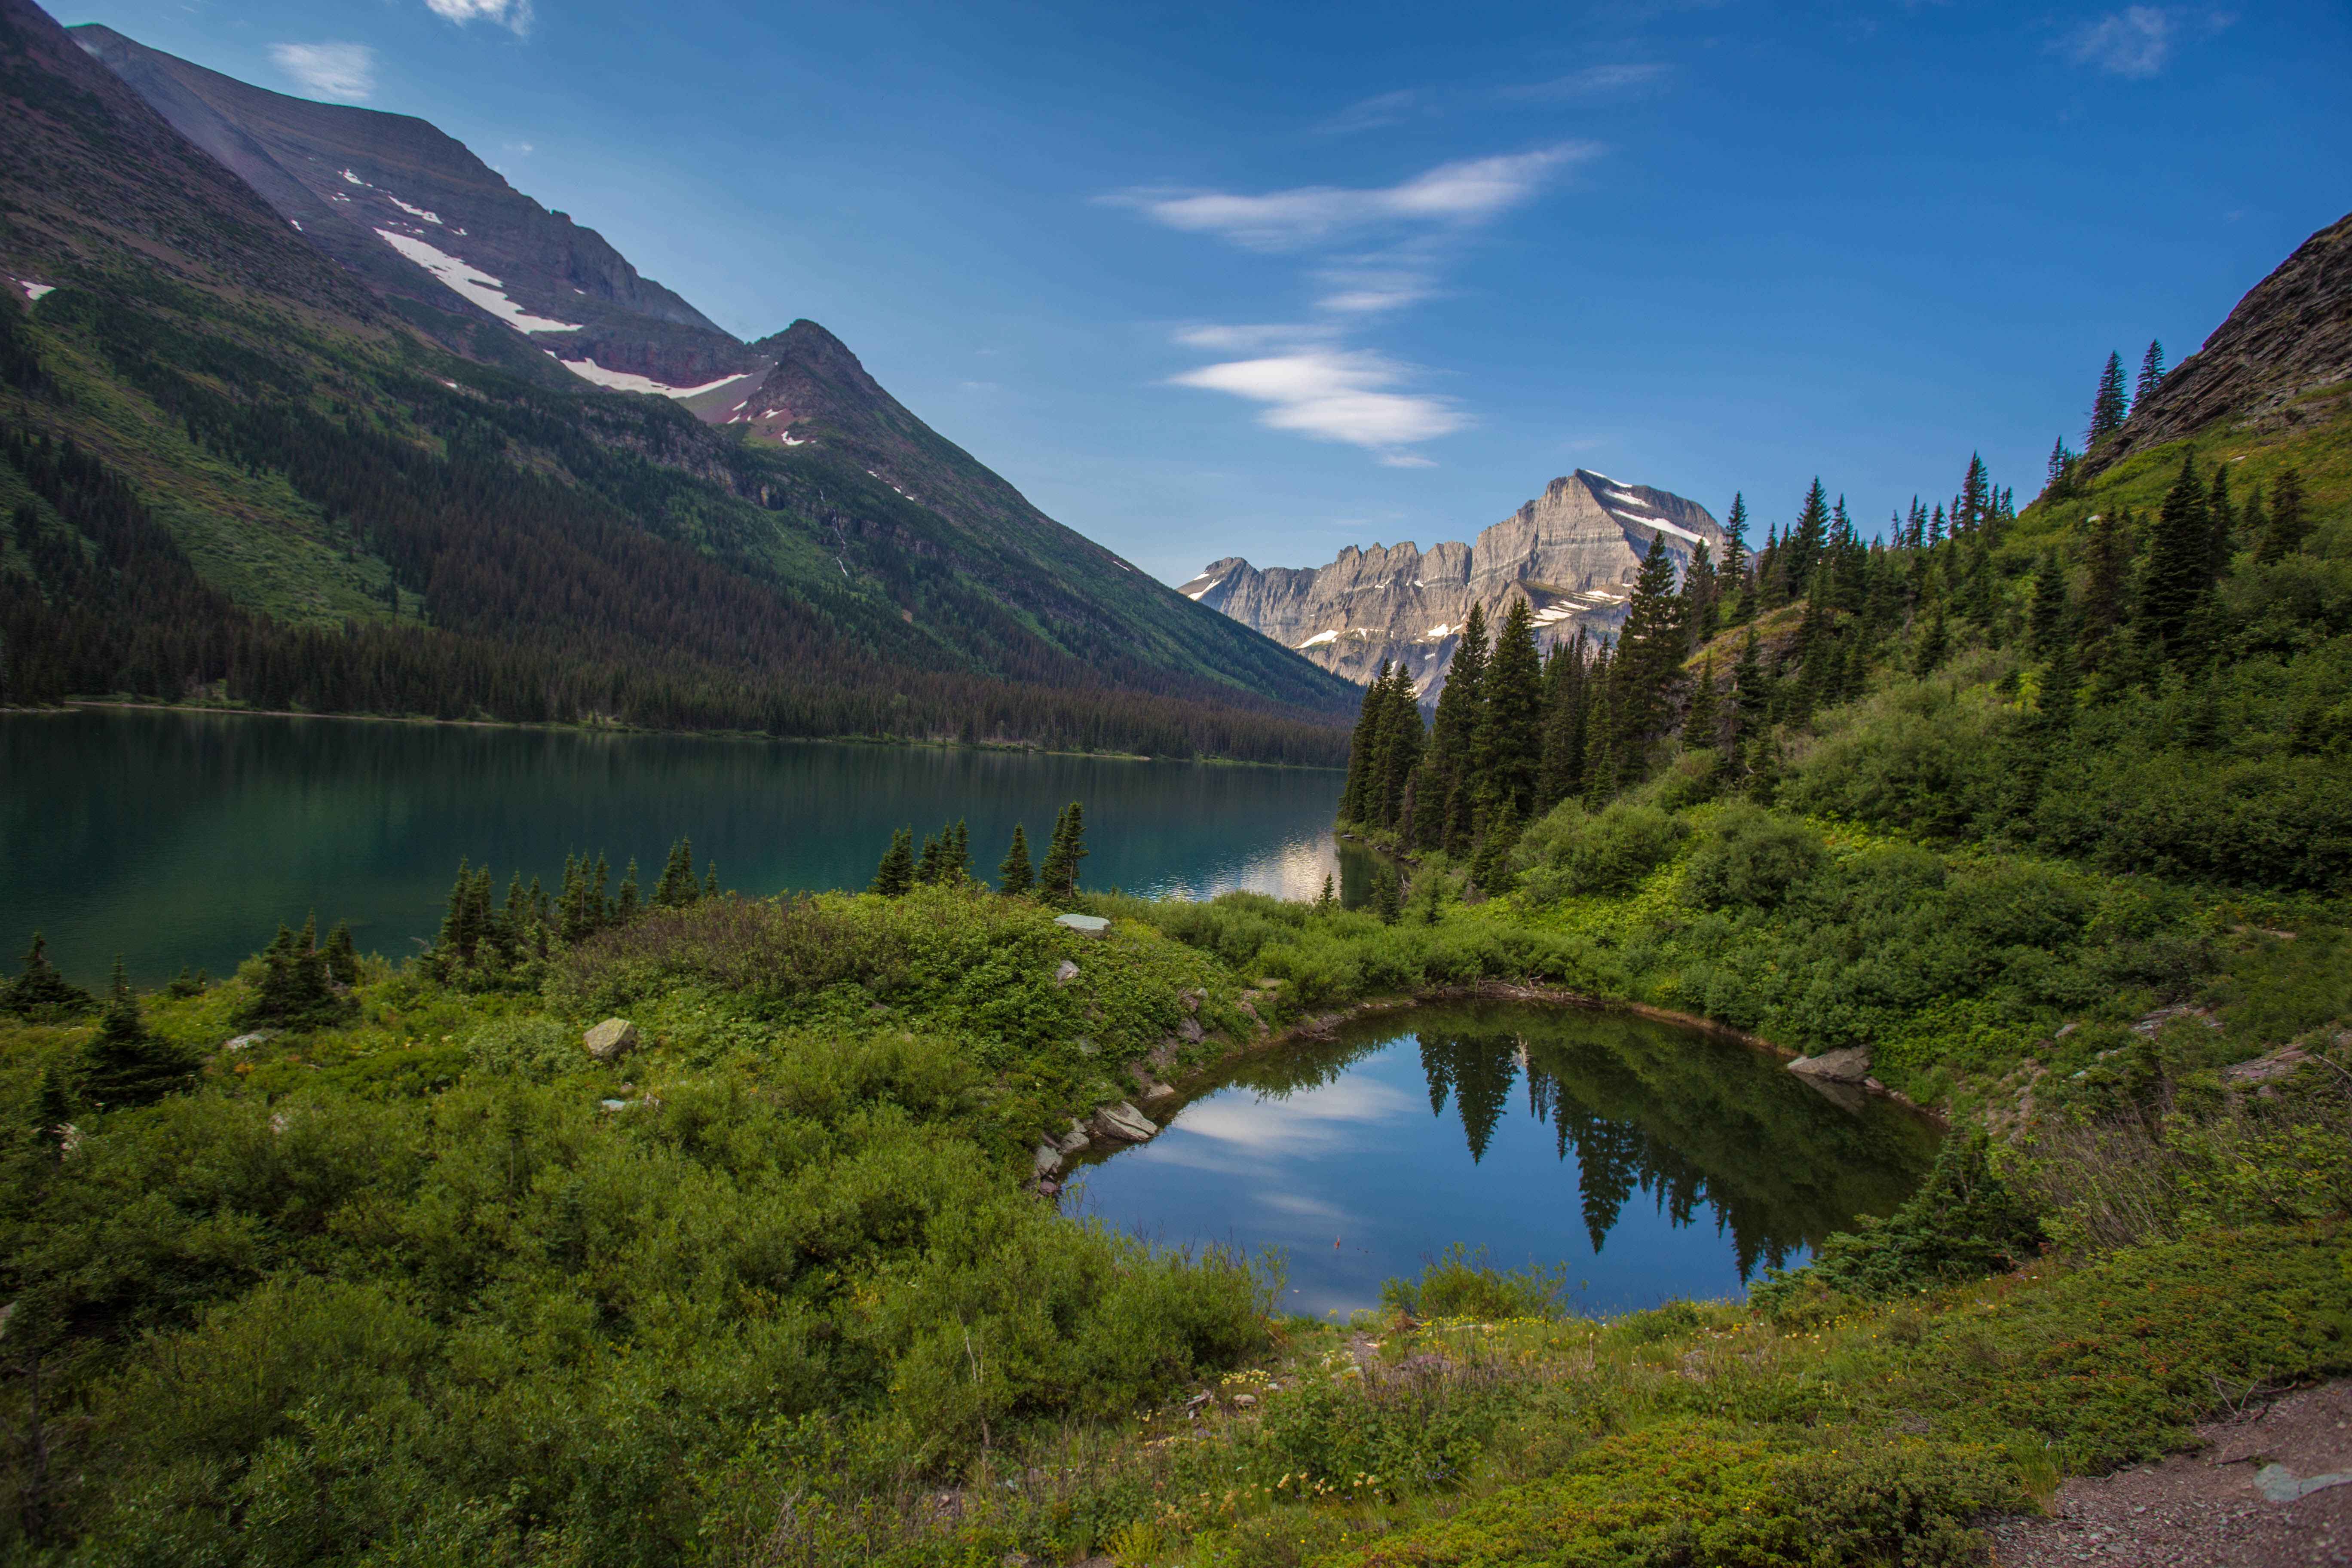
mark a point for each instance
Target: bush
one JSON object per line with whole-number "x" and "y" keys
{"x": 1459, "y": 1284}
{"x": 1752, "y": 858}
{"x": 1573, "y": 851}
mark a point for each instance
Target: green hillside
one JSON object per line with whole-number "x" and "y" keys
{"x": 235, "y": 476}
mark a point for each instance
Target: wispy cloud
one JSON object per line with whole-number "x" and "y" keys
{"x": 1592, "y": 81}
{"x": 1383, "y": 108}
{"x": 512, "y": 14}
{"x": 1406, "y": 460}
{"x": 1400, "y": 238}
{"x": 1458, "y": 195}
{"x": 1332, "y": 395}
{"x": 2133, "y": 42}
{"x": 342, "y": 71}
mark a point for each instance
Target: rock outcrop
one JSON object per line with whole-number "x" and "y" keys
{"x": 2291, "y": 335}
{"x": 1572, "y": 552}
{"x": 611, "y": 1040}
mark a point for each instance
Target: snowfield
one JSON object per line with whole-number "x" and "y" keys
{"x": 470, "y": 282}
{"x": 629, "y": 381}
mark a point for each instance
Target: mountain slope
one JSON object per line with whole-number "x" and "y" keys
{"x": 1572, "y": 552}
{"x": 419, "y": 217}
{"x": 2291, "y": 336}
{"x": 235, "y": 472}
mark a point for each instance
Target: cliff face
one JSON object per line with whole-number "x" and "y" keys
{"x": 1572, "y": 552}
{"x": 2290, "y": 335}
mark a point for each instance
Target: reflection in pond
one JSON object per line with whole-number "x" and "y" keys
{"x": 1654, "y": 1161}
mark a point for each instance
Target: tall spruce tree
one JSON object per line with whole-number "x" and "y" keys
{"x": 1648, "y": 662}
{"x": 2106, "y": 580}
{"x": 1737, "y": 566}
{"x": 1564, "y": 739}
{"x": 1703, "y": 725}
{"x": 1974, "y": 508}
{"x": 1808, "y": 536}
{"x": 1507, "y": 753}
{"x": 42, "y": 995}
{"x": 2151, "y": 373}
{"x": 1057, "y": 878}
{"x": 2179, "y": 565}
{"x": 2108, "y": 407}
{"x": 1015, "y": 875}
{"x": 1363, "y": 761}
{"x": 123, "y": 1065}
{"x": 1445, "y": 795}
{"x": 2047, "y": 613}
{"x": 1702, "y": 595}
{"x": 896, "y": 874}
{"x": 1398, "y": 748}
{"x": 676, "y": 887}
{"x": 2283, "y": 536}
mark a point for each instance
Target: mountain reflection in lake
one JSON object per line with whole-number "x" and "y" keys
{"x": 1654, "y": 1161}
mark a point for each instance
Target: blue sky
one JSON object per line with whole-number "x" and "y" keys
{"x": 1260, "y": 280}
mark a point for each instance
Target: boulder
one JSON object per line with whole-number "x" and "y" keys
{"x": 1850, "y": 1064}
{"x": 1073, "y": 1141}
{"x": 1065, "y": 972}
{"x": 1046, "y": 1158}
{"x": 1191, "y": 1000}
{"x": 611, "y": 1040}
{"x": 1124, "y": 1123}
{"x": 1191, "y": 1029}
{"x": 1084, "y": 925}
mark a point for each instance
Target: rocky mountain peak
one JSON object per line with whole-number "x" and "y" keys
{"x": 1572, "y": 552}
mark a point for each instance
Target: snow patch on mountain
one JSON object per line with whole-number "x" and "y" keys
{"x": 629, "y": 381}
{"x": 433, "y": 218}
{"x": 1318, "y": 639}
{"x": 470, "y": 282}
{"x": 33, "y": 291}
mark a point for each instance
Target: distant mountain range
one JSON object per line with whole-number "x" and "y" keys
{"x": 327, "y": 377}
{"x": 1572, "y": 553}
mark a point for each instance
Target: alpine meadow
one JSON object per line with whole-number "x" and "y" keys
{"x": 1924, "y": 943}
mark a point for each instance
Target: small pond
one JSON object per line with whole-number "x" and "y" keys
{"x": 1653, "y": 1161}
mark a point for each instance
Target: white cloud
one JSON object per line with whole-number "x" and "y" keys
{"x": 1386, "y": 109}
{"x": 1242, "y": 339}
{"x": 1459, "y": 195}
{"x": 1406, "y": 460}
{"x": 1591, "y": 81}
{"x": 512, "y": 14}
{"x": 1331, "y": 394}
{"x": 2133, "y": 42}
{"x": 342, "y": 71}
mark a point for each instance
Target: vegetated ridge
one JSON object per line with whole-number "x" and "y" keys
{"x": 237, "y": 475}
{"x": 1571, "y": 555}
{"x": 685, "y": 1227}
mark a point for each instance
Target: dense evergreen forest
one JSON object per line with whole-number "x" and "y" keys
{"x": 2146, "y": 673}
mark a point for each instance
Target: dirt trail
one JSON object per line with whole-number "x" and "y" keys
{"x": 2233, "y": 1502}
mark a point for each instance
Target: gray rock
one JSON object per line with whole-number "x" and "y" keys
{"x": 1191, "y": 1000}
{"x": 1073, "y": 1141}
{"x": 1046, "y": 1158}
{"x": 1572, "y": 552}
{"x": 611, "y": 1040}
{"x": 242, "y": 1041}
{"x": 1084, "y": 925}
{"x": 1125, "y": 1124}
{"x": 1065, "y": 972}
{"x": 2279, "y": 1484}
{"x": 1191, "y": 1029}
{"x": 1849, "y": 1065}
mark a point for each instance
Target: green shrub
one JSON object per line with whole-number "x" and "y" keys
{"x": 1752, "y": 858}
{"x": 1460, "y": 1284}
{"x": 1573, "y": 851}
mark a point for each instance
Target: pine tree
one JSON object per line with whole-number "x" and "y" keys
{"x": 1497, "y": 834}
{"x": 2108, "y": 408}
{"x": 2220, "y": 519}
{"x": 1507, "y": 753}
{"x": 958, "y": 855}
{"x": 1751, "y": 693}
{"x": 2107, "y": 560}
{"x": 2284, "y": 536}
{"x": 1399, "y": 748}
{"x": 42, "y": 995}
{"x": 630, "y": 897}
{"x": 1445, "y": 795}
{"x": 1929, "y": 653}
{"x": 1601, "y": 753}
{"x": 1807, "y": 538}
{"x": 1703, "y": 725}
{"x": 1564, "y": 737}
{"x": 1327, "y": 899}
{"x": 2048, "y": 614}
{"x": 294, "y": 992}
{"x": 711, "y": 879}
{"x": 1362, "y": 761}
{"x": 896, "y": 874}
{"x": 1974, "y": 507}
{"x": 2151, "y": 375}
{"x": 1387, "y": 899}
{"x": 1936, "y": 526}
{"x": 1735, "y": 539}
{"x": 2061, "y": 464}
{"x": 1701, "y": 595}
{"x": 340, "y": 956}
{"x": 1648, "y": 661}
{"x": 1057, "y": 878}
{"x": 1015, "y": 875}
{"x": 2179, "y": 565}
{"x": 677, "y": 890}
{"x": 123, "y": 1065}
{"x": 600, "y": 907}
{"x": 931, "y": 863}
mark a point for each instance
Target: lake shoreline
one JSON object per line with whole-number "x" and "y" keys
{"x": 1323, "y": 1025}
{"x": 420, "y": 721}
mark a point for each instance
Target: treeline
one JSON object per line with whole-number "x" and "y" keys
{"x": 946, "y": 860}
{"x": 110, "y": 606}
{"x": 621, "y": 593}
{"x": 2128, "y": 642}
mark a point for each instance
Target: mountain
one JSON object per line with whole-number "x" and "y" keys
{"x": 2290, "y": 337}
{"x": 240, "y": 467}
{"x": 428, "y": 223}
{"x": 1572, "y": 552}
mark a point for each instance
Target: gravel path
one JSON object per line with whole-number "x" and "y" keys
{"x": 2233, "y": 1502}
